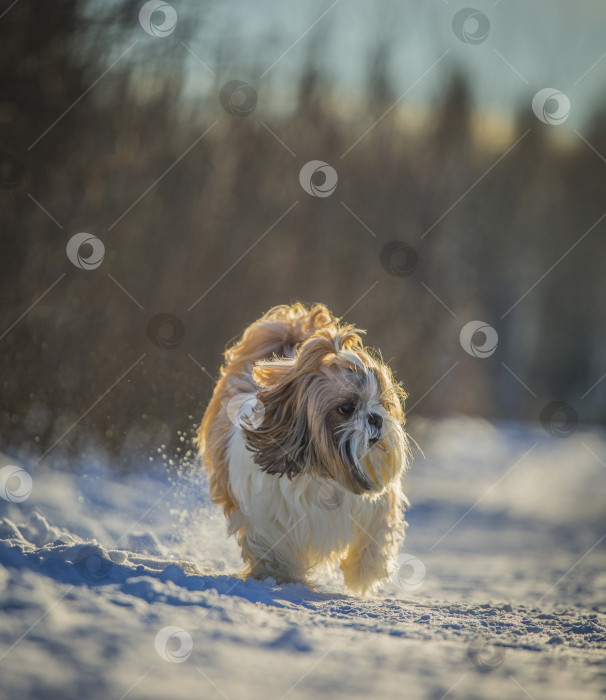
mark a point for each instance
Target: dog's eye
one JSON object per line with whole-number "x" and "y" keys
{"x": 346, "y": 409}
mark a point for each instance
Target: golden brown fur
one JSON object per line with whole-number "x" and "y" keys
{"x": 282, "y": 326}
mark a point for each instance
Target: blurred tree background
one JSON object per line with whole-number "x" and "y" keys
{"x": 203, "y": 219}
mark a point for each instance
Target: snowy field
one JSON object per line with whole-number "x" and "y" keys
{"x": 124, "y": 587}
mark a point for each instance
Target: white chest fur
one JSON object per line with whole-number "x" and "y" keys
{"x": 305, "y": 519}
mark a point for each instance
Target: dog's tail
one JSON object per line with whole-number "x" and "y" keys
{"x": 276, "y": 333}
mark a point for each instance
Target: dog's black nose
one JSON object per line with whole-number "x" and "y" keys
{"x": 375, "y": 419}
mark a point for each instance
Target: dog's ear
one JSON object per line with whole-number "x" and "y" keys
{"x": 283, "y": 442}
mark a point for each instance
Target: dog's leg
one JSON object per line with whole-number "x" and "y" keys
{"x": 265, "y": 559}
{"x": 378, "y": 535}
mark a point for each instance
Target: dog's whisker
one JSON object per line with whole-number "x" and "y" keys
{"x": 410, "y": 437}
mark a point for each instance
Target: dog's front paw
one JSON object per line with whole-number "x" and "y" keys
{"x": 362, "y": 572}
{"x": 264, "y": 570}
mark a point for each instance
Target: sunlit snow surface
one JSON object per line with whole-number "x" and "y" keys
{"x": 505, "y": 530}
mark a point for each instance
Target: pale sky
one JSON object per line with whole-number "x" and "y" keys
{"x": 531, "y": 44}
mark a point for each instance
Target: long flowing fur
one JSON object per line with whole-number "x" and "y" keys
{"x": 312, "y": 476}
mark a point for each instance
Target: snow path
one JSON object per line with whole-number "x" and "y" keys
{"x": 94, "y": 569}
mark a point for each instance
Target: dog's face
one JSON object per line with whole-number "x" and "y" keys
{"x": 332, "y": 410}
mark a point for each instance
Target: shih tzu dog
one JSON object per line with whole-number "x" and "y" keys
{"x": 304, "y": 445}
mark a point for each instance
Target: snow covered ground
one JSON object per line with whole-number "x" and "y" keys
{"x": 123, "y": 587}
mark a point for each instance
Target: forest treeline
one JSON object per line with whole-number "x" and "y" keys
{"x": 185, "y": 198}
